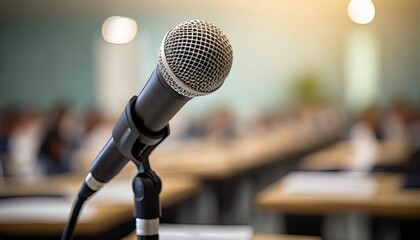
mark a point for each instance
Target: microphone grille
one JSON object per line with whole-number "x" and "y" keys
{"x": 195, "y": 58}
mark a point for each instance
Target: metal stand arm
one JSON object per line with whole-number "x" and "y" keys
{"x": 146, "y": 187}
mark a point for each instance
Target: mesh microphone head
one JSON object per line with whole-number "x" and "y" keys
{"x": 195, "y": 58}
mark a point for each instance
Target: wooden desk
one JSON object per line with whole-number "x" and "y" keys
{"x": 216, "y": 159}
{"x": 339, "y": 156}
{"x": 238, "y": 168}
{"x": 390, "y": 200}
{"x": 107, "y": 215}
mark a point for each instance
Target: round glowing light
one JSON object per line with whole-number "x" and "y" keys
{"x": 119, "y": 30}
{"x": 361, "y": 11}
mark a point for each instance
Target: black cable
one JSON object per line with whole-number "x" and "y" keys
{"x": 71, "y": 224}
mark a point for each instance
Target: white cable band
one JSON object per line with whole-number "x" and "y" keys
{"x": 92, "y": 183}
{"x": 147, "y": 227}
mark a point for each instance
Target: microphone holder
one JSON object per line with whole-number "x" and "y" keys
{"x": 136, "y": 143}
{"x": 147, "y": 187}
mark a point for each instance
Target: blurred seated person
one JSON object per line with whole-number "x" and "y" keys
{"x": 368, "y": 125}
{"x": 364, "y": 135}
{"x": 24, "y": 145}
{"x": 4, "y": 144}
{"x": 413, "y": 168}
{"x": 16, "y": 142}
{"x": 397, "y": 121}
{"x": 220, "y": 125}
{"x": 96, "y": 133}
{"x": 414, "y": 131}
{"x": 55, "y": 154}
{"x": 194, "y": 130}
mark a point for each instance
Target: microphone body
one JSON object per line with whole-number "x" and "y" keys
{"x": 157, "y": 103}
{"x": 194, "y": 60}
{"x": 153, "y": 108}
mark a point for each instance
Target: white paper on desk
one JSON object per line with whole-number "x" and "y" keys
{"x": 114, "y": 192}
{"x": 39, "y": 210}
{"x": 329, "y": 184}
{"x": 204, "y": 232}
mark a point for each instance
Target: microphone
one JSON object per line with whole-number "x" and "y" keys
{"x": 194, "y": 60}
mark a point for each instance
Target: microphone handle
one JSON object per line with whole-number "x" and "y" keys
{"x": 157, "y": 103}
{"x": 107, "y": 164}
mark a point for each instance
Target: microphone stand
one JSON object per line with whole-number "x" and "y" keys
{"x": 147, "y": 187}
{"x": 137, "y": 145}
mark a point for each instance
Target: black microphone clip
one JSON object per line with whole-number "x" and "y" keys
{"x": 131, "y": 136}
{"x": 135, "y": 142}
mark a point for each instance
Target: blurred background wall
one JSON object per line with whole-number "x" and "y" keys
{"x": 53, "y": 51}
